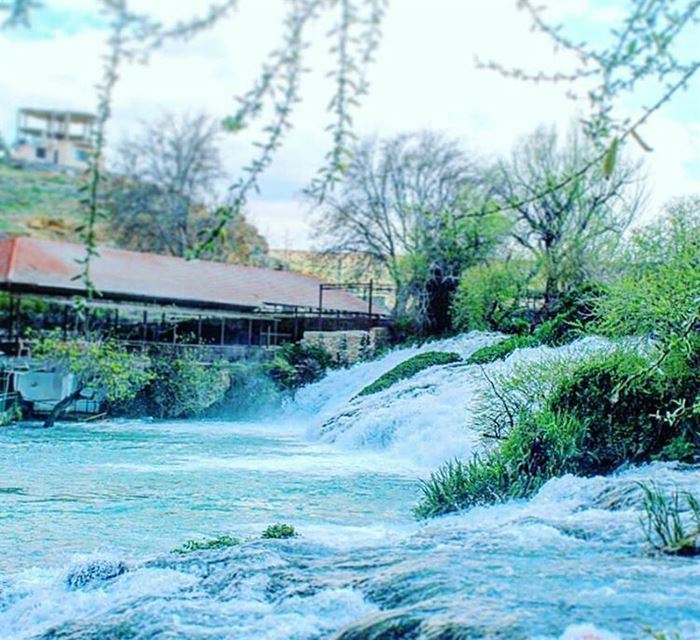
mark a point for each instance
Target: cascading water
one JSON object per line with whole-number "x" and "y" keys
{"x": 89, "y": 514}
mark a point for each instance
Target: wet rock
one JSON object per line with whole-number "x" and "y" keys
{"x": 99, "y": 571}
{"x": 619, "y": 497}
{"x": 385, "y": 626}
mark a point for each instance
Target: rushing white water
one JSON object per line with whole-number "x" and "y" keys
{"x": 89, "y": 514}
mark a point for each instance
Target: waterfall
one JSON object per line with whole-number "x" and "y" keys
{"x": 427, "y": 418}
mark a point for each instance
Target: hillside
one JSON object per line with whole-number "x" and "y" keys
{"x": 39, "y": 203}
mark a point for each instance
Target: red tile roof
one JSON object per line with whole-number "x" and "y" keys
{"x": 49, "y": 265}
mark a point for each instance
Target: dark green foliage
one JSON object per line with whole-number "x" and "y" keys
{"x": 279, "y": 532}
{"x": 222, "y": 542}
{"x": 679, "y": 449}
{"x": 570, "y": 315}
{"x": 408, "y": 369}
{"x": 183, "y": 386}
{"x": 619, "y": 409}
{"x": 665, "y": 527}
{"x": 298, "y": 364}
{"x": 501, "y": 349}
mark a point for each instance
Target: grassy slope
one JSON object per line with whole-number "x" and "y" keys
{"x": 37, "y": 203}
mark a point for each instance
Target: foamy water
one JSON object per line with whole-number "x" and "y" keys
{"x": 89, "y": 515}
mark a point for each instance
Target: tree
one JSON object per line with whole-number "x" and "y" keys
{"x": 658, "y": 292}
{"x": 414, "y": 203}
{"x": 162, "y": 197}
{"x": 570, "y": 224}
{"x": 103, "y": 367}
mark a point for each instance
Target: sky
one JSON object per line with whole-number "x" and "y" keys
{"x": 425, "y": 77}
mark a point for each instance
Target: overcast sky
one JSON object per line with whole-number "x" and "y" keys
{"x": 424, "y": 77}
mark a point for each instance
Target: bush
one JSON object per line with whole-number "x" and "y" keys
{"x": 279, "y": 532}
{"x": 222, "y": 542}
{"x": 657, "y": 295}
{"x": 502, "y": 349}
{"x": 103, "y": 368}
{"x": 601, "y": 413}
{"x": 570, "y": 317}
{"x": 180, "y": 386}
{"x": 298, "y": 364}
{"x": 539, "y": 447}
{"x": 408, "y": 369}
{"x": 491, "y": 297}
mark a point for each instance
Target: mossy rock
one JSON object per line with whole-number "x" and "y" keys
{"x": 410, "y": 368}
{"x": 222, "y": 542}
{"x": 279, "y": 532}
{"x": 502, "y": 349}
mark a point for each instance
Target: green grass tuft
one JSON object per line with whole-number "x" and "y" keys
{"x": 410, "y": 368}
{"x": 665, "y": 528}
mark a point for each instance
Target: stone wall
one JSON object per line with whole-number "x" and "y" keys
{"x": 349, "y": 346}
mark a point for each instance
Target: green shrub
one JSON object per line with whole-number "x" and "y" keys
{"x": 601, "y": 413}
{"x": 664, "y": 526}
{"x": 657, "y": 294}
{"x": 541, "y": 446}
{"x": 183, "y": 387}
{"x": 570, "y": 316}
{"x": 104, "y": 367}
{"x": 409, "y": 368}
{"x": 502, "y": 349}
{"x": 279, "y": 532}
{"x": 180, "y": 386}
{"x": 491, "y": 297}
{"x": 680, "y": 449}
{"x": 222, "y": 542}
{"x": 298, "y": 364}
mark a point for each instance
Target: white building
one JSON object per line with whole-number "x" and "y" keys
{"x": 62, "y": 138}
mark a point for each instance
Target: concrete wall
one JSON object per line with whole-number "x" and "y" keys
{"x": 62, "y": 153}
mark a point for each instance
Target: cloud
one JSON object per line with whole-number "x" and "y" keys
{"x": 425, "y": 77}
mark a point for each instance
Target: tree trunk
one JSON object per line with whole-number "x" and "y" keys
{"x": 61, "y": 406}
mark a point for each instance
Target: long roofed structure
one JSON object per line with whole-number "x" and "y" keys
{"x": 155, "y": 295}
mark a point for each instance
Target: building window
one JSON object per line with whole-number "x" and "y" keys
{"x": 41, "y": 152}
{"x": 81, "y": 155}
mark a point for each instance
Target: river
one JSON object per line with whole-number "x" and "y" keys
{"x": 108, "y": 502}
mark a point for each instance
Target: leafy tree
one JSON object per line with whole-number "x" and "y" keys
{"x": 105, "y": 369}
{"x": 658, "y": 293}
{"x": 643, "y": 50}
{"x": 569, "y": 225}
{"x": 416, "y": 204}
{"x": 491, "y": 297}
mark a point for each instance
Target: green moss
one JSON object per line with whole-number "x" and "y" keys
{"x": 410, "y": 368}
{"x": 501, "y": 349}
{"x": 221, "y": 542}
{"x": 279, "y": 532}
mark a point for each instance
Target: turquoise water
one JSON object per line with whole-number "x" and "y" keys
{"x": 90, "y": 513}
{"x": 132, "y": 488}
